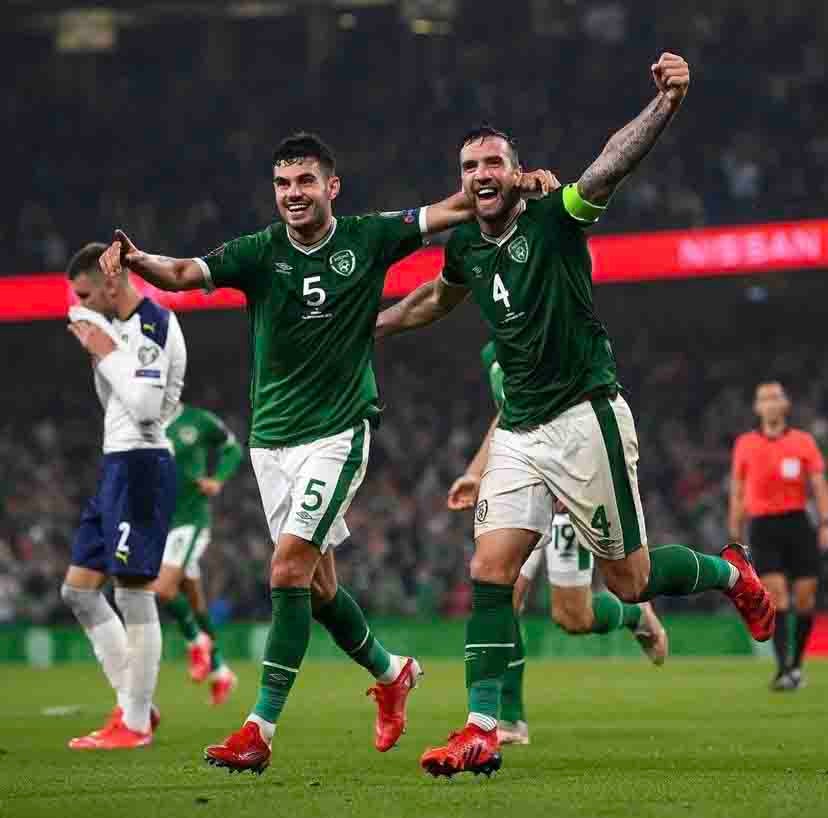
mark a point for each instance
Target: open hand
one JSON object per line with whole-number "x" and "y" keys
{"x": 93, "y": 339}
{"x": 463, "y": 492}
{"x": 671, "y": 75}
{"x": 535, "y": 184}
{"x": 121, "y": 255}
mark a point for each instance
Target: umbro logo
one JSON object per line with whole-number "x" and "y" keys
{"x": 281, "y": 267}
{"x": 477, "y": 272}
{"x": 304, "y": 516}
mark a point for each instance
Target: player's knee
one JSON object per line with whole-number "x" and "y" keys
{"x": 323, "y": 590}
{"x": 497, "y": 571}
{"x": 290, "y": 573}
{"x": 573, "y": 620}
{"x": 805, "y": 601}
{"x": 166, "y": 592}
{"x": 89, "y": 606}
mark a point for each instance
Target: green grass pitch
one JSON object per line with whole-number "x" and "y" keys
{"x": 698, "y": 738}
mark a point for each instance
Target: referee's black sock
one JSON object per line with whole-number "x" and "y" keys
{"x": 804, "y": 623}
{"x": 780, "y": 640}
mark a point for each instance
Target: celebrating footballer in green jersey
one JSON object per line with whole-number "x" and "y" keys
{"x": 565, "y": 431}
{"x": 195, "y": 435}
{"x": 313, "y": 285}
{"x": 569, "y": 571}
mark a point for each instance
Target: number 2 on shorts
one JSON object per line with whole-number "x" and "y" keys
{"x": 311, "y": 491}
{"x": 600, "y": 521}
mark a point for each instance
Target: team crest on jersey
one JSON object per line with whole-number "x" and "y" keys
{"x": 519, "y": 250}
{"x": 343, "y": 262}
{"x": 148, "y": 354}
{"x": 188, "y": 435}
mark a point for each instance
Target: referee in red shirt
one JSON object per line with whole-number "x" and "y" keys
{"x": 772, "y": 469}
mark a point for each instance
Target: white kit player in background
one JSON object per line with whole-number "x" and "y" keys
{"x": 139, "y": 359}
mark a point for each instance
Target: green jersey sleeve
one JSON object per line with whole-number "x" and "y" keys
{"x": 239, "y": 263}
{"x": 452, "y": 264}
{"x": 229, "y": 451}
{"x": 400, "y": 233}
{"x": 566, "y": 206}
{"x": 494, "y": 372}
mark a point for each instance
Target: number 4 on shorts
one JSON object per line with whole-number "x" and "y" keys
{"x": 600, "y": 521}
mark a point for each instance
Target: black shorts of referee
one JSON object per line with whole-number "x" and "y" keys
{"x": 785, "y": 544}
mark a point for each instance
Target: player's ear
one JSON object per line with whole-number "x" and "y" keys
{"x": 334, "y": 186}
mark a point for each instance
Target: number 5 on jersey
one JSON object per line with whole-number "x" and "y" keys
{"x": 499, "y": 291}
{"x": 314, "y": 296}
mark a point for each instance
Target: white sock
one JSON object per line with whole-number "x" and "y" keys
{"x": 106, "y": 633}
{"x": 394, "y": 670}
{"x": 266, "y": 728}
{"x": 486, "y": 723}
{"x": 734, "y": 576}
{"x": 143, "y": 633}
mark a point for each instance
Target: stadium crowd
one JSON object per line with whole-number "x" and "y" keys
{"x": 690, "y": 387}
{"x": 175, "y": 148}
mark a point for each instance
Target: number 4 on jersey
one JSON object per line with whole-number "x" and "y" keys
{"x": 600, "y": 521}
{"x": 499, "y": 291}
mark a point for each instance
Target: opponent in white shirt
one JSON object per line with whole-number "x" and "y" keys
{"x": 139, "y": 358}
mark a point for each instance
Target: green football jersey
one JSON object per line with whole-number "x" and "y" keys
{"x": 534, "y": 287}
{"x": 312, "y": 312}
{"x": 194, "y": 434}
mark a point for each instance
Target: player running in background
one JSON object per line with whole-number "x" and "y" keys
{"x": 313, "y": 285}
{"x": 139, "y": 358}
{"x": 195, "y": 434}
{"x": 773, "y": 468}
{"x": 565, "y": 430}
{"x": 569, "y": 570}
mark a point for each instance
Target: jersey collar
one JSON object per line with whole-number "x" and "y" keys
{"x": 308, "y": 249}
{"x": 510, "y": 228}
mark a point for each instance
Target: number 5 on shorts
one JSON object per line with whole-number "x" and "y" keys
{"x": 600, "y": 521}
{"x": 311, "y": 491}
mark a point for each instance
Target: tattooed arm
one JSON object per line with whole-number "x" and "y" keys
{"x": 161, "y": 271}
{"x": 633, "y": 142}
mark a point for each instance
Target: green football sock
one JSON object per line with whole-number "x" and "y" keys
{"x": 286, "y": 644}
{"x": 180, "y": 608}
{"x": 611, "y": 614}
{"x": 205, "y": 622}
{"x": 490, "y": 641}
{"x": 511, "y": 698}
{"x": 346, "y": 623}
{"x": 676, "y": 570}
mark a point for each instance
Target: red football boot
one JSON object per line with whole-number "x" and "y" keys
{"x": 222, "y": 685}
{"x": 748, "y": 595}
{"x": 116, "y": 737}
{"x": 115, "y": 720}
{"x": 391, "y": 699}
{"x": 198, "y": 654}
{"x": 469, "y": 750}
{"x": 244, "y": 750}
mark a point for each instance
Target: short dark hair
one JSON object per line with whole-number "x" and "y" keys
{"x": 86, "y": 260}
{"x": 304, "y": 145}
{"x": 485, "y": 131}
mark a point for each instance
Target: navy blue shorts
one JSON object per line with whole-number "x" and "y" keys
{"x": 124, "y": 527}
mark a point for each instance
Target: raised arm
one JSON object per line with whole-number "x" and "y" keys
{"x": 457, "y": 209}
{"x": 428, "y": 303}
{"x": 627, "y": 147}
{"x": 166, "y": 273}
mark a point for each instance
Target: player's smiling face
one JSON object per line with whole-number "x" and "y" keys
{"x": 95, "y": 293}
{"x": 490, "y": 177}
{"x": 304, "y": 194}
